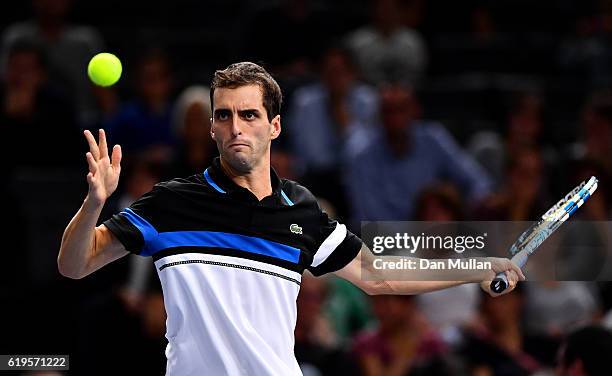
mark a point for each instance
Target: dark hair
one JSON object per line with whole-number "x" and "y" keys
{"x": 338, "y": 48}
{"x": 247, "y": 73}
{"x": 445, "y": 194}
{"x": 593, "y": 346}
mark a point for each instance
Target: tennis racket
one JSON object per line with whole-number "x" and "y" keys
{"x": 534, "y": 236}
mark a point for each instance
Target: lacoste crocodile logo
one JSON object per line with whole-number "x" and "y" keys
{"x": 295, "y": 229}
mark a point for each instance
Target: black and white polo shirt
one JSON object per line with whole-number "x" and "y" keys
{"x": 230, "y": 268}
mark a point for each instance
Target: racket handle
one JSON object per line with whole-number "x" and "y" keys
{"x": 500, "y": 282}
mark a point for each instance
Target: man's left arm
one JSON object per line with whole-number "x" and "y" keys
{"x": 376, "y": 284}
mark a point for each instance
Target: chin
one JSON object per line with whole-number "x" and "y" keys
{"x": 239, "y": 162}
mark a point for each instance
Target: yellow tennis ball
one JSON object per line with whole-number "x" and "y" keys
{"x": 104, "y": 69}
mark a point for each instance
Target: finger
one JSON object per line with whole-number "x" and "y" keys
{"x": 90, "y": 179}
{"x": 93, "y": 166}
{"x": 103, "y": 145}
{"x": 512, "y": 276}
{"x": 518, "y": 270}
{"x": 512, "y": 285}
{"x": 93, "y": 146}
{"x": 116, "y": 157}
{"x": 512, "y": 280}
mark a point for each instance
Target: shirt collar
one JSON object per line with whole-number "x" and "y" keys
{"x": 216, "y": 178}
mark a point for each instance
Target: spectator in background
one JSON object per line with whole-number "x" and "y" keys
{"x": 68, "y": 49}
{"x": 388, "y": 166}
{"x": 191, "y": 127}
{"x": 386, "y": 51}
{"x": 305, "y": 24}
{"x": 39, "y": 143}
{"x": 596, "y": 146}
{"x": 37, "y": 122}
{"x": 587, "y": 54}
{"x": 524, "y": 128}
{"x": 316, "y": 346}
{"x": 553, "y": 308}
{"x": 401, "y": 343}
{"x": 443, "y": 203}
{"x": 145, "y": 123}
{"x": 525, "y": 122}
{"x": 497, "y": 346}
{"x": 585, "y": 352}
{"x": 523, "y": 195}
{"x": 321, "y": 118}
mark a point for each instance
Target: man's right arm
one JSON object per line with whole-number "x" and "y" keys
{"x": 86, "y": 248}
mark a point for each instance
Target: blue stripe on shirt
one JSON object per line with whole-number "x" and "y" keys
{"x": 211, "y": 182}
{"x": 289, "y": 202}
{"x": 146, "y": 229}
{"x": 156, "y": 242}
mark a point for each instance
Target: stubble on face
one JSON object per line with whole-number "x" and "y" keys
{"x": 243, "y": 161}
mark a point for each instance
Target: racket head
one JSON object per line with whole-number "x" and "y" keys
{"x": 537, "y": 233}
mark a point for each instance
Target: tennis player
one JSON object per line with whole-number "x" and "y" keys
{"x": 229, "y": 243}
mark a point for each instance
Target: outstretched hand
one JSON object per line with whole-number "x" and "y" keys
{"x": 514, "y": 274}
{"x": 103, "y": 175}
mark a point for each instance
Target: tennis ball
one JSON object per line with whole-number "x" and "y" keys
{"x": 104, "y": 69}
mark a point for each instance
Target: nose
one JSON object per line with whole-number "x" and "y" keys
{"x": 236, "y": 126}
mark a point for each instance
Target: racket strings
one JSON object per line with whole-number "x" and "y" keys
{"x": 550, "y": 222}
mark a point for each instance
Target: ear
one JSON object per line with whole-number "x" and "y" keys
{"x": 212, "y": 130}
{"x": 275, "y": 127}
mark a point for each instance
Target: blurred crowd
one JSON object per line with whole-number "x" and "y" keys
{"x": 393, "y": 110}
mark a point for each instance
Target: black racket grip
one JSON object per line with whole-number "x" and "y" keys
{"x": 500, "y": 282}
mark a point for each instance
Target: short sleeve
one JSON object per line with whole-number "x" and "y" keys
{"x": 338, "y": 247}
{"x": 134, "y": 226}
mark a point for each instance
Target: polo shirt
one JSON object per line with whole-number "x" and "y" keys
{"x": 230, "y": 267}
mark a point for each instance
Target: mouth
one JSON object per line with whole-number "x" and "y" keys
{"x": 238, "y": 144}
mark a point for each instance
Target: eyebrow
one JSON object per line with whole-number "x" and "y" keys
{"x": 253, "y": 110}
{"x": 220, "y": 111}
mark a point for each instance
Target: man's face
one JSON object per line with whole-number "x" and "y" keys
{"x": 241, "y": 128}
{"x": 337, "y": 74}
{"x": 398, "y": 107}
